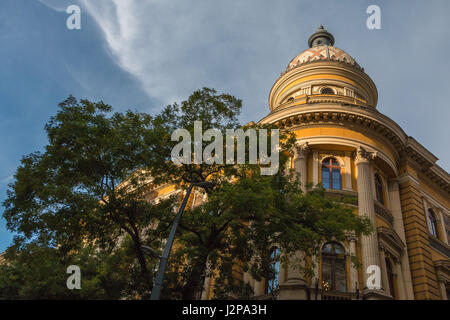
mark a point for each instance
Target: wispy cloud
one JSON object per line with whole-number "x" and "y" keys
{"x": 57, "y": 5}
{"x": 173, "y": 47}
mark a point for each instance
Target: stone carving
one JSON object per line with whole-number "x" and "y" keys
{"x": 301, "y": 151}
{"x": 362, "y": 155}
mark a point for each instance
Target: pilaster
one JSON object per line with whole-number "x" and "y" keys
{"x": 369, "y": 243}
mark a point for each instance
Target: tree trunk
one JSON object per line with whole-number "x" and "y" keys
{"x": 194, "y": 284}
{"x": 148, "y": 280}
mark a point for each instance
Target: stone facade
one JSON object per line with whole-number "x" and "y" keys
{"x": 395, "y": 179}
{"x": 329, "y": 102}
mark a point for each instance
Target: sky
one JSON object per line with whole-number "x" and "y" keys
{"x": 146, "y": 54}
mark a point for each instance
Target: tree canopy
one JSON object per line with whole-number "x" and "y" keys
{"x": 91, "y": 198}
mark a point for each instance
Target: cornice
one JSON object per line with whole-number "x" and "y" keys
{"x": 363, "y": 80}
{"x": 342, "y": 115}
{"x": 366, "y": 118}
{"x": 389, "y": 238}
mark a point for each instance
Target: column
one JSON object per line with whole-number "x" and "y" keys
{"x": 401, "y": 286}
{"x": 348, "y": 172}
{"x": 369, "y": 243}
{"x": 294, "y": 272}
{"x": 301, "y": 163}
{"x": 353, "y": 271}
{"x": 295, "y": 287}
{"x": 384, "y": 276}
{"x": 396, "y": 210}
{"x": 442, "y": 288}
{"x": 258, "y": 288}
{"x": 442, "y": 226}
{"x": 282, "y": 273}
{"x": 315, "y": 168}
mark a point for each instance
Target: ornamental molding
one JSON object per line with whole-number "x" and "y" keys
{"x": 315, "y": 140}
{"x": 363, "y": 155}
{"x": 406, "y": 177}
{"x": 329, "y": 63}
{"x": 338, "y": 155}
{"x": 348, "y": 116}
{"x": 363, "y": 119}
{"x": 354, "y": 78}
{"x": 439, "y": 245}
{"x": 384, "y": 213}
{"x": 301, "y": 150}
{"x": 389, "y": 240}
{"x": 433, "y": 201}
{"x": 443, "y": 270}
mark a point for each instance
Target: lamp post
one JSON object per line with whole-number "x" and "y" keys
{"x": 156, "y": 291}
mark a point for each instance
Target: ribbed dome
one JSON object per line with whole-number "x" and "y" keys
{"x": 323, "y": 74}
{"x": 321, "y": 53}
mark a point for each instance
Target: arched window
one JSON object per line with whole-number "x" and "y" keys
{"x": 326, "y": 90}
{"x": 331, "y": 174}
{"x": 379, "y": 188}
{"x": 274, "y": 267}
{"x": 390, "y": 276}
{"x": 433, "y": 223}
{"x": 334, "y": 267}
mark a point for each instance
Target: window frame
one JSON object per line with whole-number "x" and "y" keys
{"x": 433, "y": 223}
{"x": 330, "y": 90}
{"x": 391, "y": 277}
{"x": 272, "y": 284}
{"x": 379, "y": 188}
{"x": 330, "y": 167}
{"x": 334, "y": 258}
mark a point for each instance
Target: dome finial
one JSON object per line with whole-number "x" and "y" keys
{"x": 320, "y": 38}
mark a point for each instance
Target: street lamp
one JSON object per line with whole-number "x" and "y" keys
{"x": 150, "y": 252}
{"x": 156, "y": 291}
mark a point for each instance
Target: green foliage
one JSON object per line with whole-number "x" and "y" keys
{"x": 36, "y": 271}
{"x": 215, "y": 111}
{"x": 243, "y": 219}
{"x": 87, "y": 200}
{"x": 90, "y": 185}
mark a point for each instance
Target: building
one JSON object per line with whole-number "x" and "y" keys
{"x": 343, "y": 142}
{"x": 328, "y": 101}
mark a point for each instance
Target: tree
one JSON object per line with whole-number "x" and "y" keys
{"x": 36, "y": 271}
{"x": 245, "y": 212}
{"x": 214, "y": 111}
{"x": 94, "y": 188}
{"x": 242, "y": 220}
{"x": 90, "y": 185}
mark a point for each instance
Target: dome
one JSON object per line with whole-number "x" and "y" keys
{"x": 321, "y": 53}
{"x": 323, "y": 74}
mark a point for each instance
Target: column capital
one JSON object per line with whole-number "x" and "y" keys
{"x": 301, "y": 150}
{"x": 363, "y": 156}
{"x": 350, "y": 236}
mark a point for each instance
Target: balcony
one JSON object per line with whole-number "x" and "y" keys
{"x": 383, "y": 212}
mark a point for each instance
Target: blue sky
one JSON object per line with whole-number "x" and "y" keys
{"x": 145, "y": 54}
